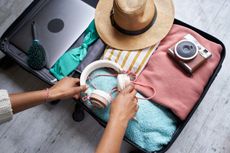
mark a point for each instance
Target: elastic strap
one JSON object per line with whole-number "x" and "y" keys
{"x": 145, "y": 85}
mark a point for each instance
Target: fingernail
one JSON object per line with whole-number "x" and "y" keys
{"x": 135, "y": 119}
{"x": 130, "y": 85}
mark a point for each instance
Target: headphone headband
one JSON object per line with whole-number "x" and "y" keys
{"x": 96, "y": 65}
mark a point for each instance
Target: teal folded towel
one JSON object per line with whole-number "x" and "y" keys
{"x": 154, "y": 125}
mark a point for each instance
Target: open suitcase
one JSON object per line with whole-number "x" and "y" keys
{"x": 21, "y": 58}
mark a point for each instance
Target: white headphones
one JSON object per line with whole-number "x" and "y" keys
{"x": 99, "y": 98}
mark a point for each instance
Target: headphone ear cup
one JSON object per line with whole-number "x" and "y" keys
{"x": 123, "y": 80}
{"x": 99, "y": 98}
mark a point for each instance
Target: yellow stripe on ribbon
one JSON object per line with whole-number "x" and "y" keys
{"x": 118, "y": 56}
{"x": 125, "y": 59}
{"x": 134, "y": 60}
{"x": 111, "y": 55}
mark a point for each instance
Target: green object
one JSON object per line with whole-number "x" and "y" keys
{"x": 36, "y": 53}
{"x": 68, "y": 62}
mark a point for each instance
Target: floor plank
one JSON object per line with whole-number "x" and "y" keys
{"x": 198, "y": 135}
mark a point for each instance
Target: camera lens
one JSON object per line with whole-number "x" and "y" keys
{"x": 186, "y": 50}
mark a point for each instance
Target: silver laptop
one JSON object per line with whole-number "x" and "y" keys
{"x": 58, "y": 24}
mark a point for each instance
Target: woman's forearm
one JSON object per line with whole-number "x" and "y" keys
{"x": 22, "y": 101}
{"x": 112, "y": 138}
{"x": 66, "y": 88}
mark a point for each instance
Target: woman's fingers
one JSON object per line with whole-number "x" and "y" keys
{"x": 135, "y": 102}
{"x": 80, "y": 89}
{"x": 83, "y": 88}
{"x": 76, "y": 80}
{"x": 133, "y": 93}
{"x": 76, "y": 90}
{"x": 76, "y": 96}
{"x": 128, "y": 89}
{"x": 137, "y": 107}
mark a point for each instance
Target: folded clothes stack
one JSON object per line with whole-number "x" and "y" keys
{"x": 174, "y": 89}
{"x": 154, "y": 125}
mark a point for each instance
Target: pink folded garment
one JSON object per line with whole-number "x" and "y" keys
{"x": 174, "y": 89}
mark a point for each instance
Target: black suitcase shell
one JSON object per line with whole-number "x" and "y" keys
{"x": 20, "y": 57}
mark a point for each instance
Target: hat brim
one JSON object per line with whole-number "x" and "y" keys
{"x": 118, "y": 40}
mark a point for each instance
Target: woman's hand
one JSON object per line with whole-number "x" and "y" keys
{"x": 66, "y": 88}
{"x": 125, "y": 106}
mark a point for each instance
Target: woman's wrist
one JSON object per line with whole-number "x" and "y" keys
{"x": 52, "y": 94}
{"x": 117, "y": 120}
{"x": 47, "y": 95}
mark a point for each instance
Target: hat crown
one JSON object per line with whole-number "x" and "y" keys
{"x": 133, "y": 14}
{"x": 131, "y": 6}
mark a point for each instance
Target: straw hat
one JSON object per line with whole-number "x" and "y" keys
{"x": 133, "y": 24}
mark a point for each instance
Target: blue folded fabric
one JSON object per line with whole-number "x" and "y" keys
{"x": 155, "y": 124}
